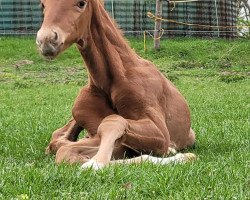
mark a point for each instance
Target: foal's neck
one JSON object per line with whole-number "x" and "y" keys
{"x": 107, "y": 55}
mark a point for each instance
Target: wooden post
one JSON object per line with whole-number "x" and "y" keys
{"x": 158, "y": 13}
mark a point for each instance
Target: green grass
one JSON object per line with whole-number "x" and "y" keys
{"x": 36, "y": 99}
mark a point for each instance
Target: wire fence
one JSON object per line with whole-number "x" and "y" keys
{"x": 24, "y": 17}
{"x": 19, "y": 17}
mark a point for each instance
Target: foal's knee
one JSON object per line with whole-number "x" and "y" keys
{"x": 113, "y": 125}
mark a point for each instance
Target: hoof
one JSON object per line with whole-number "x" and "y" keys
{"x": 53, "y": 147}
{"x": 47, "y": 151}
{"x": 93, "y": 164}
{"x": 190, "y": 156}
{"x": 172, "y": 151}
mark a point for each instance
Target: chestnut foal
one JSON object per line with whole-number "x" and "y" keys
{"x": 128, "y": 107}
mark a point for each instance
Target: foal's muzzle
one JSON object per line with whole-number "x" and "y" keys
{"x": 49, "y": 42}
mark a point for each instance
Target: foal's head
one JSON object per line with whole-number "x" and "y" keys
{"x": 65, "y": 22}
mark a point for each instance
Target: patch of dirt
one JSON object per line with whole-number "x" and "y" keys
{"x": 226, "y": 73}
{"x": 20, "y": 63}
{"x": 229, "y": 77}
{"x": 73, "y": 70}
{"x": 127, "y": 186}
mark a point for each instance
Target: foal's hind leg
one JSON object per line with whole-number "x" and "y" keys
{"x": 191, "y": 138}
{"x": 144, "y": 136}
{"x": 63, "y": 136}
{"x": 187, "y": 141}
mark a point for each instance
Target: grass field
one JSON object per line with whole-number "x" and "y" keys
{"x": 36, "y": 97}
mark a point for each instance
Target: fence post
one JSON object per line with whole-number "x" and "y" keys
{"x": 158, "y": 13}
{"x": 217, "y": 18}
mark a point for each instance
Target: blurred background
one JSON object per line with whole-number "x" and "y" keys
{"x": 221, "y": 17}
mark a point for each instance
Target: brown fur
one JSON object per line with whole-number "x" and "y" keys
{"x": 127, "y": 107}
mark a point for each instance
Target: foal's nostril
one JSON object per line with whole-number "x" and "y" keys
{"x": 56, "y": 36}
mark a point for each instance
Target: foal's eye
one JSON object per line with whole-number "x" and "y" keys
{"x": 81, "y": 4}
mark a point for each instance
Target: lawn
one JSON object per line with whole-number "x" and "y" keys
{"x": 36, "y": 97}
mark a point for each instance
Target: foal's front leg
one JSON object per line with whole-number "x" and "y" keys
{"x": 62, "y": 136}
{"x": 89, "y": 109}
{"x": 111, "y": 129}
{"x": 141, "y": 135}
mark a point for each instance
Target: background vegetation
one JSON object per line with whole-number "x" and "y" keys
{"x": 243, "y": 13}
{"x": 36, "y": 97}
